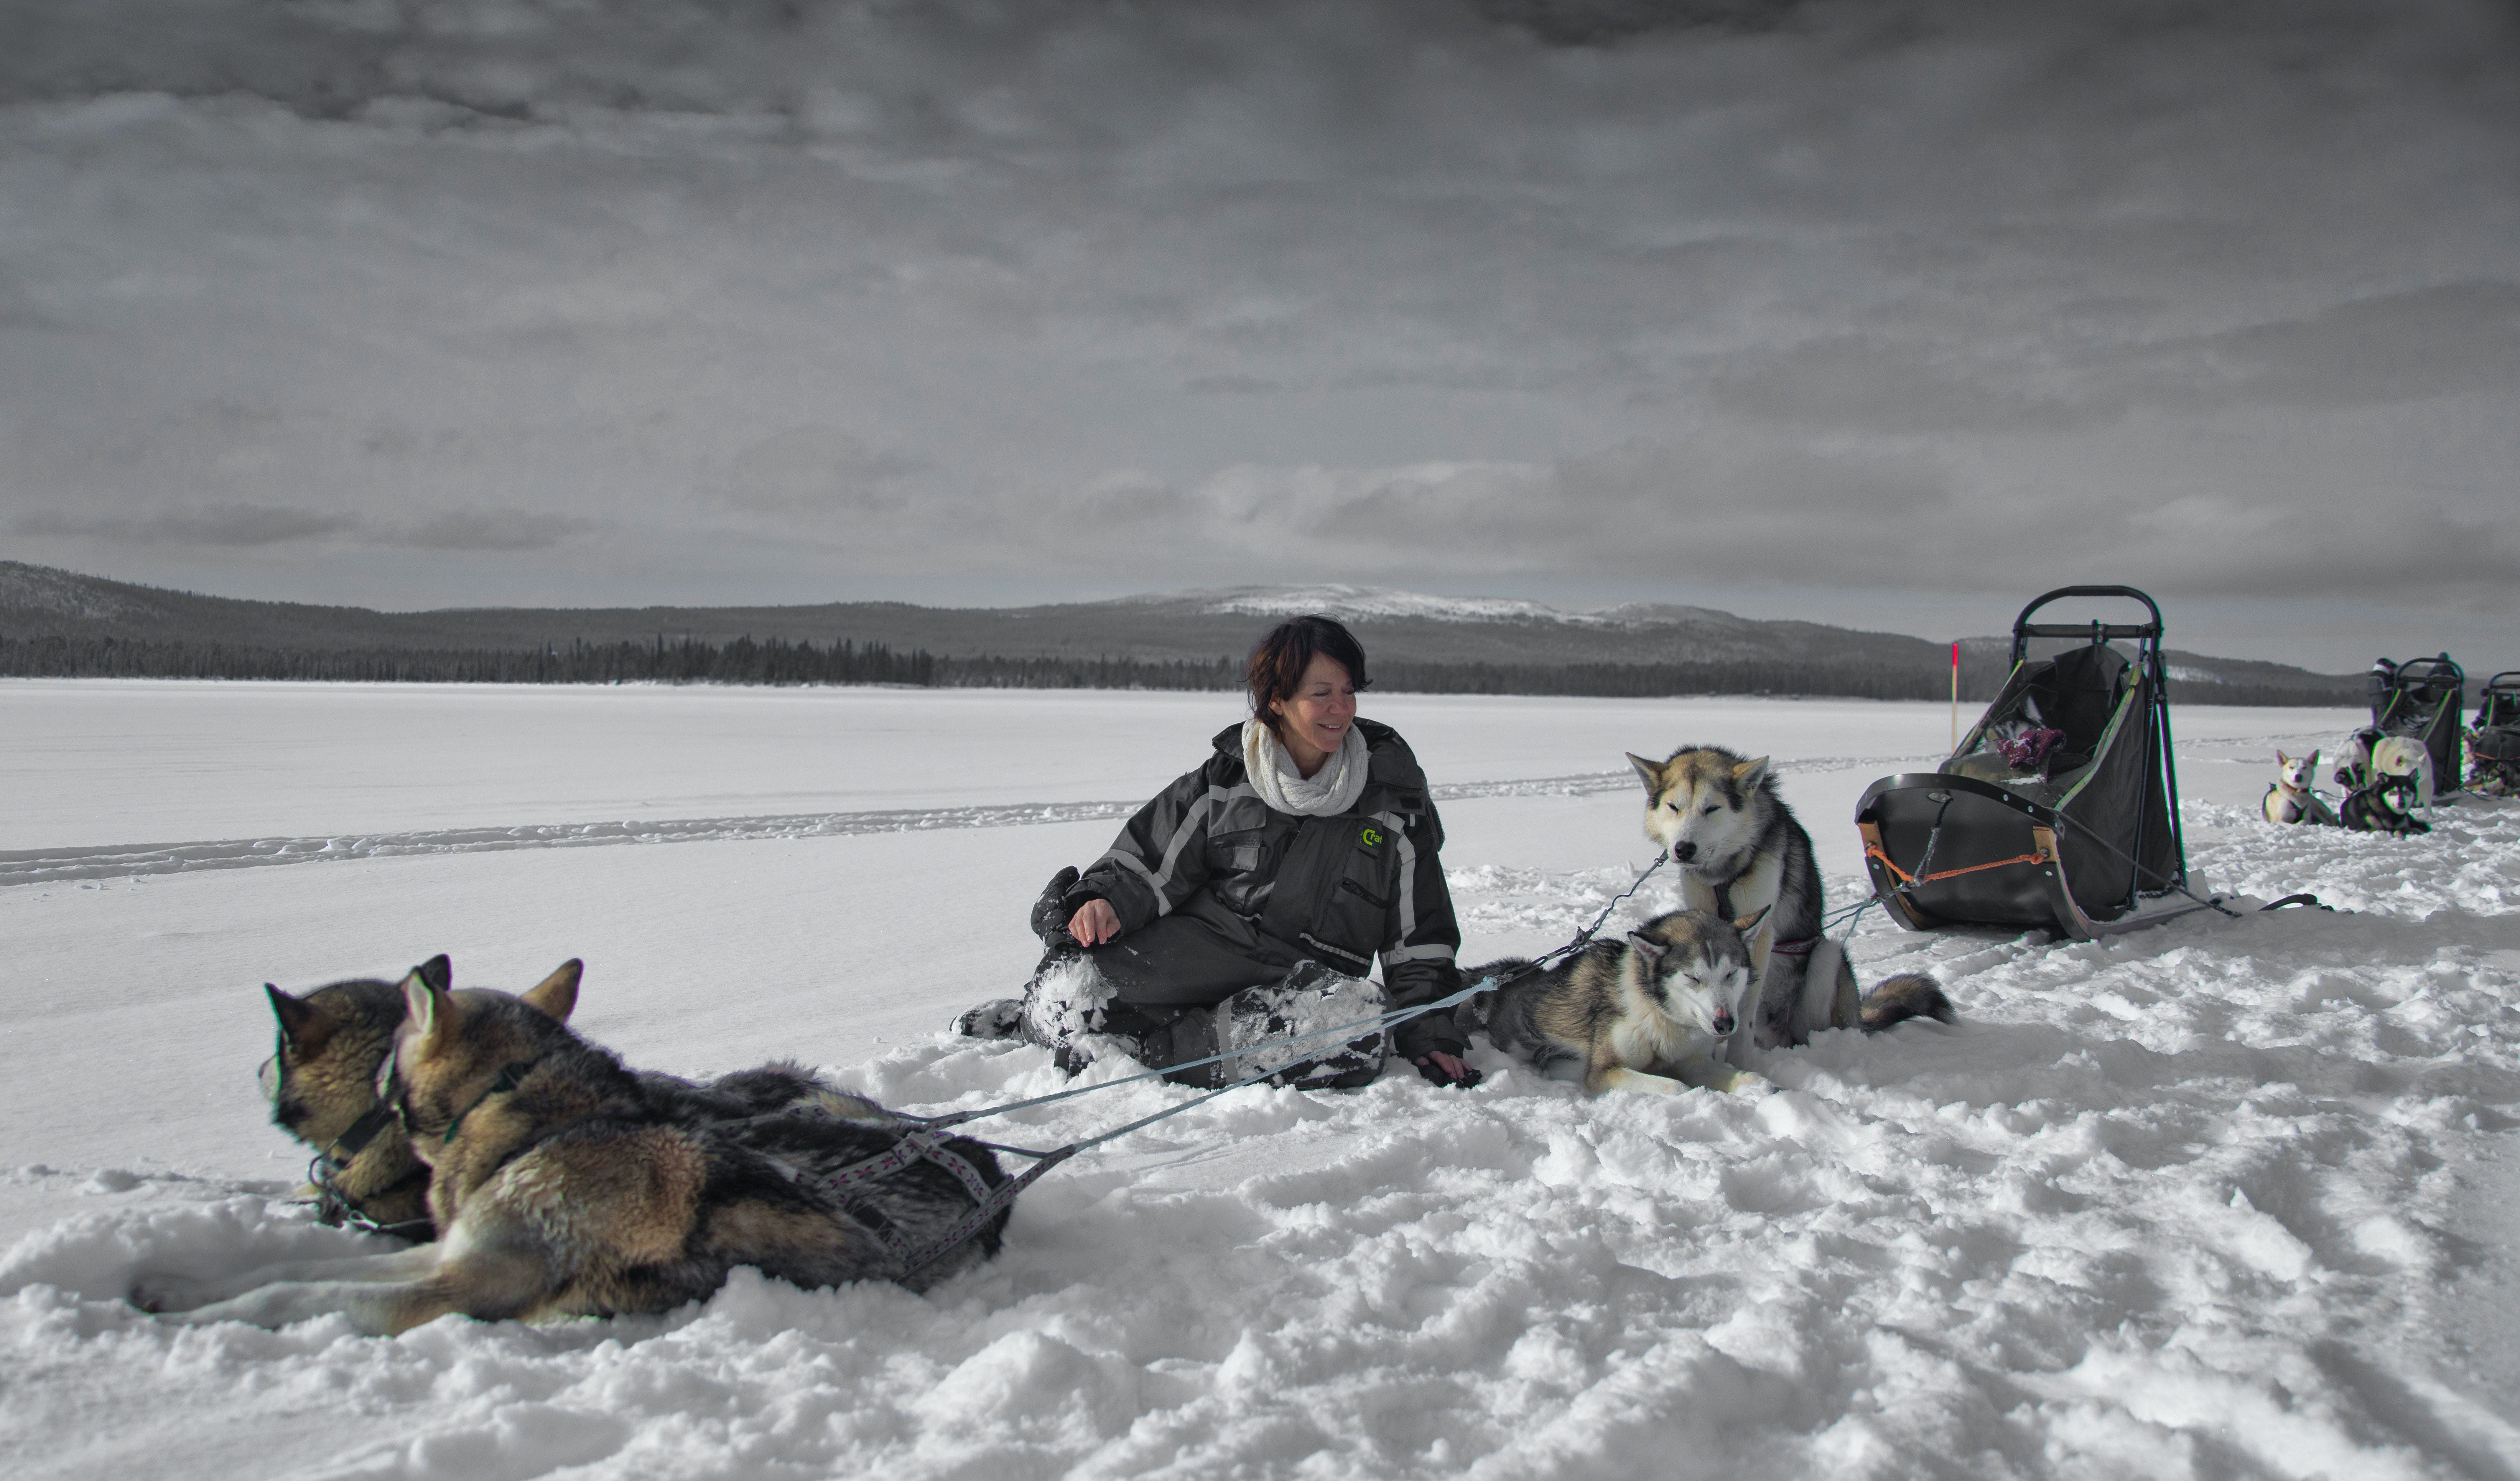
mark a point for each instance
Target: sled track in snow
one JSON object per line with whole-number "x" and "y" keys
{"x": 48, "y": 866}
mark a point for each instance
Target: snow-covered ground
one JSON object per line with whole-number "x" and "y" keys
{"x": 2230, "y": 1198}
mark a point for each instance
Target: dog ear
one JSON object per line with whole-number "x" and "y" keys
{"x": 2313, "y": 762}
{"x": 1650, "y": 771}
{"x": 1749, "y": 774}
{"x": 1750, "y": 923}
{"x": 294, "y": 1017}
{"x": 434, "y": 1016}
{"x": 2283, "y": 760}
{"x": 437, "y": 972}
{"x": 556, "y": 994}
{"x": 1646, "y": 946}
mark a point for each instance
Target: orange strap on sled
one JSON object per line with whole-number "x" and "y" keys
{"x": 1872, "y": 851}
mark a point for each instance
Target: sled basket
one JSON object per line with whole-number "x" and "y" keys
{"x": 2494, "y": 745}
{"x": 2060, "y": 807}
{"x": 2421, "y": 698}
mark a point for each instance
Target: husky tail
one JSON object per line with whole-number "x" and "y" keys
{"x": 1909, "y": 995}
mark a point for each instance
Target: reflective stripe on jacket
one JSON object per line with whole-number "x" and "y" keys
{"x": 1340, "y": 889}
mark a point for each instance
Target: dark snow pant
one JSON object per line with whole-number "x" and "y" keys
{"x": 1166, "y": 976}
{"x": 1178, "y": 961}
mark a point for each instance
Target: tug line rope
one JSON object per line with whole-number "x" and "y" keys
{"x": 999, "y": 1197}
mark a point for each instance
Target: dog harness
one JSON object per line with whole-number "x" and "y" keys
{"x": 1801, "y": 946}
{"x": 916, "y": 1143}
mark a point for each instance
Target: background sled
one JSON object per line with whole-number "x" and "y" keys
{"x": 2494, "y": 750}
{"x": 2420, "y": 698}
{"x": 2060, "y": 809}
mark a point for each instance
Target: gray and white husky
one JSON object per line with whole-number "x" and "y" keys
{"x": 1652, "y": 1013}
{"x": 1743, "y": 854}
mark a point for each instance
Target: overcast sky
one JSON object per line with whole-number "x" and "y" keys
{"x": 1891, "y": 314}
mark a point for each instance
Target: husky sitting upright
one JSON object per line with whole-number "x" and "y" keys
{"x": 1650, "y": 1013}
{"x": 2294, "y": 795}
{"x": 1742, "y": 854}
{"x": 562, "y": 1184}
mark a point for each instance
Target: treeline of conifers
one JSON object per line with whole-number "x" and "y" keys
{"x": 778, "y": 662}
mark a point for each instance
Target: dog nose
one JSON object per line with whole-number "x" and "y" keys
{"x": 1683, "y": 851}
{"x": 1724, "y": 1023}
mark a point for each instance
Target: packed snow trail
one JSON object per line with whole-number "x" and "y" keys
{"x": 2203, "y": 1201}
{"x": 125, "y": 861}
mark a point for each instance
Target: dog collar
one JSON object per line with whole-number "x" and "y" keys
{"x": 509, "y": 1079}
{"x": 363, "y": 1131}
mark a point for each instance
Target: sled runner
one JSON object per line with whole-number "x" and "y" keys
{"x": 2421, "y": 699}
{"x": 2060, "y": 809}
{"x": 2494, "y": 745}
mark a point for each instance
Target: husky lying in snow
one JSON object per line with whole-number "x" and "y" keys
{"x": 1654, "y": 1011}
{"x": 1743, "y": 856}
{"x": 1650, "y": 1013}
{"x": 563, "y": 1184}
{"x": 2293, "y": 797}
{"x": 323, "y": 1080}
{"x": 2368, "y": 757}
{"x": 2386, "y": 806}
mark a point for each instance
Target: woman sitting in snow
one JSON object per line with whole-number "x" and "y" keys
{"x": 1246, "y": 902}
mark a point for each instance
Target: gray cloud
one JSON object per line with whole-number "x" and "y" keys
{"x": 488, "y": 529}
{"x": 814, "y": 470}
{"x": 230, "y": 526}
{"x": 2448, "y": 339}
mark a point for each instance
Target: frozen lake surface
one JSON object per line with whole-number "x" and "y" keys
{"x": 2226, "y": 1197}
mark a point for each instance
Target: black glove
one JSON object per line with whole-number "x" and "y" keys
{"x": 1437, "y": 1073}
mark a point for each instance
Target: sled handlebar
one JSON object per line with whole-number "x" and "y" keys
{"x": 2414, "y": 673}
{"x": 2023, "y": 627}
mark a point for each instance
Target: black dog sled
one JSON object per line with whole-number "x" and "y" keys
{"x": 2060, "y": 809}
{"x": 2494, "y": 745}
{"x": 2420, "y": 698}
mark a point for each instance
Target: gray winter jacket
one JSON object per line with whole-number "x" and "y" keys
{"x": 1338, "y": 889}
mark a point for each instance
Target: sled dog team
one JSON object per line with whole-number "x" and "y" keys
{"x": 556, "y": 1182}
{"x": 542, "y": 1178}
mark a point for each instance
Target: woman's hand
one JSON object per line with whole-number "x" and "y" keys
{"x": 1447, "y": 1069}
{"x": 1094, "y": 923}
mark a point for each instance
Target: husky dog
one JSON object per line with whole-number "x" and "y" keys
{"x": 562, "y": 1184}
{"x": 2369, "y": 756}
{"x": 2294, "y": 795}
{"x": 1650, "y": 1014}
{"x": 2405, "y": 756}
{"x": 2386, "y": 806}
{"x": 322, "y": 1083}
{"x": 1743, "y": 854}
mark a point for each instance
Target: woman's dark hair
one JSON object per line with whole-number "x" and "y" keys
{"x": 1275, "y": 668}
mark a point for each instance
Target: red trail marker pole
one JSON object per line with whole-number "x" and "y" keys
{"x": 1955, "y": 696}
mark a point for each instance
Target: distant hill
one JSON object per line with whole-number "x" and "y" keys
{"x": 1179, "y": 639}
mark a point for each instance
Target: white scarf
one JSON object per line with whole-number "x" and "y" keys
{"x": 1332, "y": 789}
